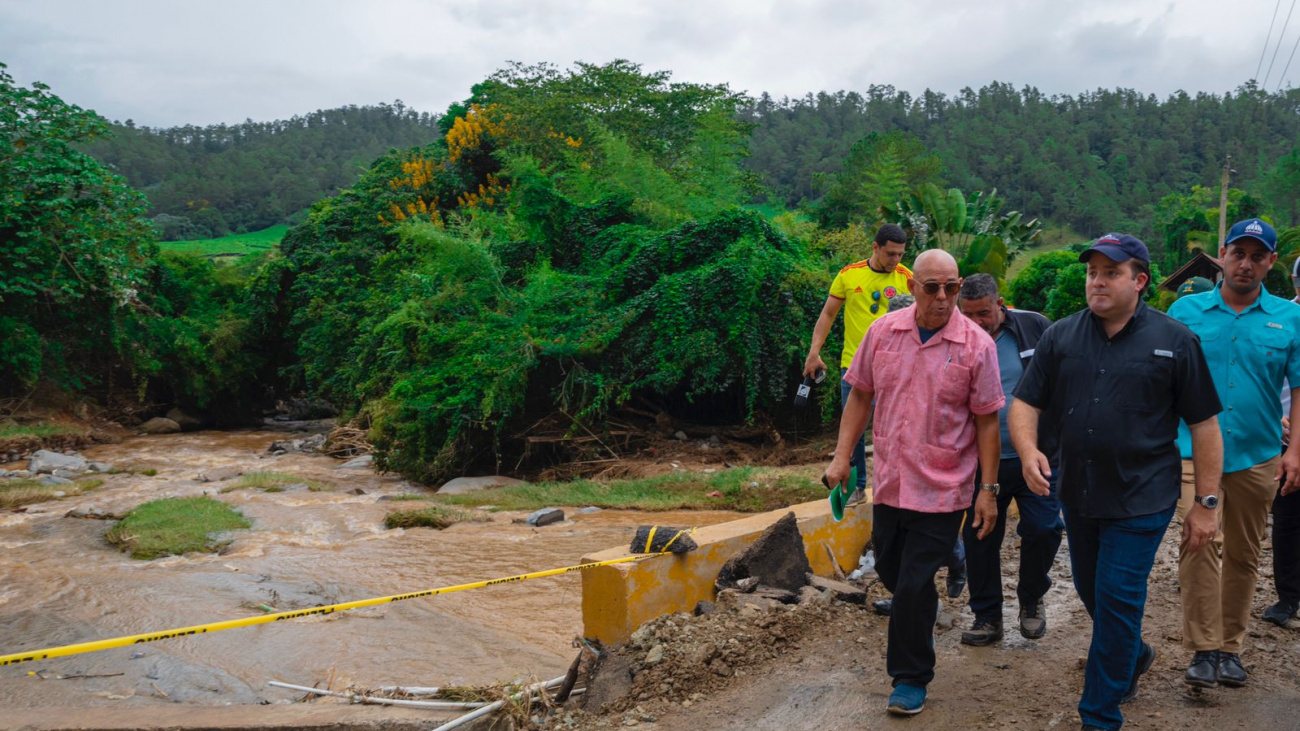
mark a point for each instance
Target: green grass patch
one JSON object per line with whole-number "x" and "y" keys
{"x": 147, "y": 472}
{"x": 16, "y": 493}
{"x": 255, "y": 242}
{"x": 1053, "y": 238}
{"x": 39, "y": 432}
{"x": 411, "y": 496}
{"x": 434, "y": 516}
{"x": 174, "y": 526}
{"x": 745, "y": 489}
{"x": 274, "y": 482}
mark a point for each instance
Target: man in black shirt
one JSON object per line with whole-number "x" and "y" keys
{"x": 1112, "y": 381}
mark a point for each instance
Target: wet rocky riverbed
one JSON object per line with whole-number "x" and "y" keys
{"x": 61, "y": 583}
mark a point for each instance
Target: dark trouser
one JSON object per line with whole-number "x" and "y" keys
{"x": 1040, "y": 536}
{"x": 910, "y": 548}
{"x": 1286, "y": 547}
{"x": 859, "y": 458}
{"x": 1121, "y": 551}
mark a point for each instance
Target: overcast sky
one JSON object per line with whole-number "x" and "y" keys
{"x": 177, "y": 62}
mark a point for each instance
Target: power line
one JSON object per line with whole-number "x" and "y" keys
{"x": 1267, "y": 37}
{"x": 1288, "y": 63}
{"x": 1279, "y": 44}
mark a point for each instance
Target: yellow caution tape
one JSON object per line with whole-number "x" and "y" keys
{"x": 200, "y": 629}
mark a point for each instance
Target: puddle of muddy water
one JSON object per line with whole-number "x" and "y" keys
{"x": 60, "y": 583}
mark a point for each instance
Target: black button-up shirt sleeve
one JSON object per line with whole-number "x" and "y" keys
{"x": 1195, "y": 397}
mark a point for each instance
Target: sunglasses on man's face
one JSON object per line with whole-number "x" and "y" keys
{"x": 949, "y": 288}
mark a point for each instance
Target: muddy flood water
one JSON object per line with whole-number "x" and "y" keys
{"x": 61, "y": 583}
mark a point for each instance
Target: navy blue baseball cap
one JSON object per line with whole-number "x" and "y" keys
{"x": 1119, "y": 248}
{"x": 1253, "y": 228}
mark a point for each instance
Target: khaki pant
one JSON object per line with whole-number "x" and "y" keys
{"x": 1217, "y": 583}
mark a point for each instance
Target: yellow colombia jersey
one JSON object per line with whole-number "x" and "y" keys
{"x": 866, "y": 294}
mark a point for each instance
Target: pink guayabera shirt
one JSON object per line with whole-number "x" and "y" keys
{"x": 926, "y": 398}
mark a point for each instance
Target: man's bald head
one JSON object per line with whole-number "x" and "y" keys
{"x": 934, "y": 263}
{"x": 937, "y": 270}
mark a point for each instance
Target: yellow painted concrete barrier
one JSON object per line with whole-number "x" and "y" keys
{"x": 619, "y": 598}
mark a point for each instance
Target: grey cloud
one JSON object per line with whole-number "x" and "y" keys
{"x": 167, "y": 63}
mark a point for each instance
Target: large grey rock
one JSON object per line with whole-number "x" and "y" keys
{"x": 51, "y": 480}
{"x": 184, "y": 420}
{"x": 46, "y": 462}
{"x": 217, "y": 474}
{"x": 777, "y": 558}
{"x": 462, "y": 485}
{"x": 364, "y": 462}
{"x": 160, "y": 425}
{"x": 545, "y": 516}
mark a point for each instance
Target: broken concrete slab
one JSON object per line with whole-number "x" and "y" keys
{"x": 845, "y": 592}
{"x": 777, "y": 558}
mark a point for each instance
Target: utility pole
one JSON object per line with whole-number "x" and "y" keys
{"x": 1223, "y": 202}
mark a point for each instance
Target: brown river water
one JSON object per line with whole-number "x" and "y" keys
{"x": 61, "y": 583}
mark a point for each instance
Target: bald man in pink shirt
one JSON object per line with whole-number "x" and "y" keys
{"x": 936, "y": 389}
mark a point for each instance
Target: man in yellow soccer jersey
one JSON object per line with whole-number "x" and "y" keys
{"x": 864, "y": 291}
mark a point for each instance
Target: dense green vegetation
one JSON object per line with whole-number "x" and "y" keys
{"x": 1097, "y": 161}
{"x": 205, "y": 182}
{"x": 234, "y": 245}
{"x": 565, "y": 243}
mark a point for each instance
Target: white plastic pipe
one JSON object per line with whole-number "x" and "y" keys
{"x": 356, "y": 698}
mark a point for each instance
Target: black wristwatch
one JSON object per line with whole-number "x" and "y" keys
{"x": 994, "y": 488}
{"x": 1209, "y": 502}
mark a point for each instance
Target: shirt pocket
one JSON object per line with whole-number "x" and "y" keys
{"x": 951, "y": 409}
{"x": 1144, "y": 385}
{"x": 886, "y": 370}
{"x": 1272, "y": 344}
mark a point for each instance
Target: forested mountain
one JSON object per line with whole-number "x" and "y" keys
{"x": 221, "y": 179}
{"x": 1096, "y": 161}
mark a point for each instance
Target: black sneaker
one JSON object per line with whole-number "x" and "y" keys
{"x": 1231, "y": 673}
{"x": 1203, "y": 672}
{"x": 883, "y": 606}
{"x": 1281, "y": 613}
{"x": 1033, "y": 621}
{"x": 1146, "y": 659}
{"x": 983, "y": 632}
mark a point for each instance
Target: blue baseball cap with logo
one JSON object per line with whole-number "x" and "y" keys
{"x": 1119, "y": 248}
{"x": 1253, "y": 228}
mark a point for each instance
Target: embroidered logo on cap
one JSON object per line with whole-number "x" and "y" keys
{"x": 1254, "y": 228}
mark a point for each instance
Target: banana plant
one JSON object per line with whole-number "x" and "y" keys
{"x": 974, "y": 230}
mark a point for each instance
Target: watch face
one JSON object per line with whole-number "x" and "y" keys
{"x": 1209, "y": 501}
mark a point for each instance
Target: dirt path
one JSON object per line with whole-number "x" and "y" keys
{"x": 827, "y": 671}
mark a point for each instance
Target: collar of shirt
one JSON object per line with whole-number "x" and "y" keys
{"x": 947, "y": 332}
{"x": 1100, "y": 327}
{"x": 1214, "y": 298}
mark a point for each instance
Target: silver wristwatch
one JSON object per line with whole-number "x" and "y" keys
{"x": 1209, "y": 502}
{"x": 994, "y": 488}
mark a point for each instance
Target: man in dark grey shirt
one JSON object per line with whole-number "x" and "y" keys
{"x": 1111, "y": 382}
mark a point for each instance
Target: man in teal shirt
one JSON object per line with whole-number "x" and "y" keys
{"x": 1251, "y": 341}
